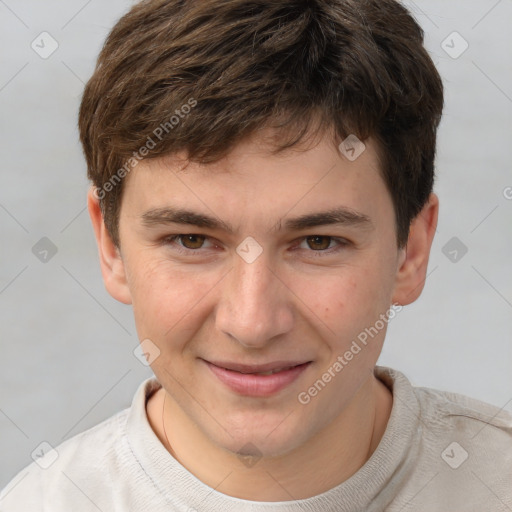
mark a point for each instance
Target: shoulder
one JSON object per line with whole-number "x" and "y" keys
{"x": 472, "y": 443}
{"x": 453, "y": 411}
{"x": 460, "y": 454}
{"x": 87, "y": 465}
{"x": 54, "y": 467}
{"x": 444, "y": 411}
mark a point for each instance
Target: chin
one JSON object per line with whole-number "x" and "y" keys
{"x": 266, "y": 442}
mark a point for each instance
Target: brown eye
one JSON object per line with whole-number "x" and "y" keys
{"x": 192, "y": 241}
{"x": 319, "y": 243}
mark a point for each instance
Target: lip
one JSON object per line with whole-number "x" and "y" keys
{"x": 256, "y": 368}
{"x": 241, "y": 378}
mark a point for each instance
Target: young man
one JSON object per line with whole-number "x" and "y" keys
{"x": 262, "y": 195}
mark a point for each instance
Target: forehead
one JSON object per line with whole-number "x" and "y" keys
{"x": 253, "y": 183}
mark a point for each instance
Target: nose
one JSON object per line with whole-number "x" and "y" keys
{"x": 255, "y": 305}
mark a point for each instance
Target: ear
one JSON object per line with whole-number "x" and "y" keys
{"x": 413, "y": 259}
{"x": 111, "y": 262}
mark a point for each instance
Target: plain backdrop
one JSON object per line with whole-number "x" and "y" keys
{"x": 67, "y": 359}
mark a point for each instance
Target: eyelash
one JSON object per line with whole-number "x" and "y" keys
{"x": 342, "y": 244}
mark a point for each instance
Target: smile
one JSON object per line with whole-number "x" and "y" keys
{"x": 257, "y": 381}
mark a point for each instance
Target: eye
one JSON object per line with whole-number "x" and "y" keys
{"x": 318, "y": 242}
{"x": 189, "y": 242}
{"x": 315, "y": 245}
{"x": 323, "y": 244}
{"x": 192, "y": 241}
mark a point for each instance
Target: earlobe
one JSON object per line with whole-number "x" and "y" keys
{"x": 111, "y": 262}
{"x": 413, "y": 259}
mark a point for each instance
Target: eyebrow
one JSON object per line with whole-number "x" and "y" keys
{"x": 336, "y": 216}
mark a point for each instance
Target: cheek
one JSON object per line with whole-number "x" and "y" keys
{"x": 164, "y": 298}
{"x": 339, "y": 297}
{"x": 353, "y": 302}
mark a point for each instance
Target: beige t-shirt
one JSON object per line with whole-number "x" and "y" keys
{"x": 440, "y": 452}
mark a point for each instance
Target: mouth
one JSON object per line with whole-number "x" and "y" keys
{"x": 257, "y": 380}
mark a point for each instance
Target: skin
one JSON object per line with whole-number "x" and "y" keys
{"x": 288, "y": 304}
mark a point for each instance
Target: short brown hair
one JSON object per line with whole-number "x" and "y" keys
{"x": 205, "y": 74}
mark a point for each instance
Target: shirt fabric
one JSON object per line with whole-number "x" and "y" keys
{"x": 441, "y": 452}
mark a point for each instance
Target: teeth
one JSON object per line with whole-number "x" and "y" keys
{"x": 271, "y": 372}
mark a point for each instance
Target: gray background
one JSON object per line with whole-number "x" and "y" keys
{"x": 67, "y": 347}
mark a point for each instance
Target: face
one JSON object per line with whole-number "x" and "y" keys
{"x": 256, "y": 277}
